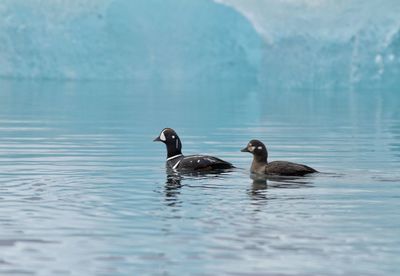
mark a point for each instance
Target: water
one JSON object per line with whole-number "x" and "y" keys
{"x": 83, "y": 189}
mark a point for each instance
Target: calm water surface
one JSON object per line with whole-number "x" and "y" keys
{"x": 83, "y": 189}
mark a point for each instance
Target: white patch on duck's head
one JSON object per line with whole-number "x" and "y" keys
{"x": 162, "y": 137}
{"x": 260, "y": 147}
{"x": 250, "y": 147}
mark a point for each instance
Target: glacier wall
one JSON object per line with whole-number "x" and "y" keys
{"x": 327, "y": 42}
{"x": 290, "y": 43}
{"x": 124, "y": 39}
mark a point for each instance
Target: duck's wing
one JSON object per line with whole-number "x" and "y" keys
{"x": 203, "y": 162}
{"x": 288, "y": 168}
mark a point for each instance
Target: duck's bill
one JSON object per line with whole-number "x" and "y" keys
{"x": 244, "y": 150}
{"x": 157, "y": 139}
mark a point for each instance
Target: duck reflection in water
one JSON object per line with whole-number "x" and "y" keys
{"x": 173, "y": 182}
{"x": 172, "y": 188}
{"x": 261, "y": 183}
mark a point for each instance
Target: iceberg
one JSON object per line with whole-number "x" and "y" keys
{"x": 327, "y": 43}
{"x": 123, "y": 39}
{"x": 277, "y": 43}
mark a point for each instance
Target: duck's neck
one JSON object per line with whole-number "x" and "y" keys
{"x": 174, "y": 148}
{"x": 258, "y": 164}
{"x": 262, "y": 159}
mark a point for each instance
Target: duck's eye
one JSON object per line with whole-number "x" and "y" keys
{"x": 173, "y": 136}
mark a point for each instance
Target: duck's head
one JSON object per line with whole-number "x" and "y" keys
{"x": 257, "y": 148}
{"x": 169, "y": 137}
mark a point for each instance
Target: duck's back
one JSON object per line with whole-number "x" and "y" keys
{"x": 203, "y": 162}
{"x": 288, "y": 168}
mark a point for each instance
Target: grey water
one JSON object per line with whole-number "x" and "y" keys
{"x": 84, "y": 191}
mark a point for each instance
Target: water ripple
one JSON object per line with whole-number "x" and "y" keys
{"x": 84, "y": 193}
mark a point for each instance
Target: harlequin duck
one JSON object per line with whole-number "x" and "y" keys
{"x": 177, "y": 161}
{"x": 261, "y": 165}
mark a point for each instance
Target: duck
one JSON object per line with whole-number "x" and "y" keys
{"x": 261, "y": 165}
{"x": 190, "y": 163}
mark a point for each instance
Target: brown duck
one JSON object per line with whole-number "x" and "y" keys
{"x": 261, "y": 165}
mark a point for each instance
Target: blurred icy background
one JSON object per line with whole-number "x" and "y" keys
{"x": 304, "y": 43}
